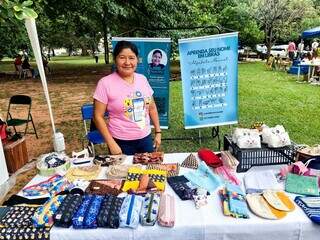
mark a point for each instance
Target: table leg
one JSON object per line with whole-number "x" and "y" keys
{"x": 299, "y": 72}
{"x": 309, "y": 73}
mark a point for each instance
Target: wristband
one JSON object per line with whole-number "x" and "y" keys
{"x": 157, "y": 132}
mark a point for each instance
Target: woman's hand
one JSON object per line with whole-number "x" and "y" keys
{"x": 157, "y": 141}
{"x": 114, "y": 148}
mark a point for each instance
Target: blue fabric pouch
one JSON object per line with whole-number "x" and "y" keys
{"x": 90, "y": 218}
{"x": 150, "y": 208}
{"x": 78, "y": 218}
{"x": 130, "y": 211}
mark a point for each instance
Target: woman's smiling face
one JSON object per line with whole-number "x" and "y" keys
{"x": 126, "y": 62}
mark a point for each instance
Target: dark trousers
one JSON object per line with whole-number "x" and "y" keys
{"x": 130, "y": 147}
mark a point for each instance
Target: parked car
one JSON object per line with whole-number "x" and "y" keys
{"x": 281, "y": 50}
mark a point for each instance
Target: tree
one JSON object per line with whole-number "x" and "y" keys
{"x": 278, "y": 17}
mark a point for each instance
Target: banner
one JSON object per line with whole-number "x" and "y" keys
{"x": 209, "y": 71}
{"x": 154, "y": 63}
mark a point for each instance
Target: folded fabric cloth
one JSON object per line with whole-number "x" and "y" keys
{"x": 86, "y": 173}
{"x": 229, "y": 160}
{"x": 41, "y": 188}
{"x": 142, "y": 181}
{"x": 237, "y": 202}
{"x": 18, "y": 217}
{"x": 172, "y": 169}
{"x": 311, "y": 207}
{"x": 109, "y": 212}
{"x": 262, "y": 208}
{"x": 63, "y": 216}
{"x": 210, "y": 158}
{"x": 43, "y": 217}
{"x": 204, "y": 177}
{"x": 146, "y": 158}
{"x": 106, "y": 160}
{"x": 257, "y": 181}
{"x": 227, "y": 174}
{"x": 25, "y": 233}
{"x": 302, "y": 184}
{"x": 166, "y": 215}
{"x": 190, "y": 162}
{"x": 200, "y": 198}
{"x": 120, "y": 171}
{"x": 149, "y": 210}
{"x": 278, "y": 200}
{"x": 103, "y": 187}
{"x": 16, "y": 199}
{"x": 130, "y": 211}
{"x": 182, "y": 187}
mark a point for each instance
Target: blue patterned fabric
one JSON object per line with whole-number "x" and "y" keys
{"x": 90, "y": 218}
{"x": 78, "y": 218}
{"x": 130, "y": 211}
{"x": 109, "y": 212}
{"x": 149, "y": 210}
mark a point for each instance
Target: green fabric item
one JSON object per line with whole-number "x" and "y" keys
{"x": 16, "y": 122}
{"x": 302, "y": 184}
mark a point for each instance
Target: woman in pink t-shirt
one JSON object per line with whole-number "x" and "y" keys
{"x": 127, "y": 96}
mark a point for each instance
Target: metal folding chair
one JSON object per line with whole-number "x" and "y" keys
{"x": 15, "y": 102}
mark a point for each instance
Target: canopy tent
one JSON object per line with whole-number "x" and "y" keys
{"x": 311, "y": 33}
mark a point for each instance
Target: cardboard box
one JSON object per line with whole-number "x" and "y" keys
{"x": 16, "y": 154}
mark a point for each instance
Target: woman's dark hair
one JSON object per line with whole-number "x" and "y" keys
{"x": 122, "y": 45}
{"x": 157, "y": 51}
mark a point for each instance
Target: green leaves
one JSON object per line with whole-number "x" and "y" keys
{"x": 23, "y": 11}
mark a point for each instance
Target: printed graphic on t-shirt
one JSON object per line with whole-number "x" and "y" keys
{"x": 136, "y": 108}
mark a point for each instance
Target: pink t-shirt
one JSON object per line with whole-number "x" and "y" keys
{"x": 127, "y": 104}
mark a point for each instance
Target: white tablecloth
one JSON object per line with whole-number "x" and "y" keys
{"x": 207, "y": 222}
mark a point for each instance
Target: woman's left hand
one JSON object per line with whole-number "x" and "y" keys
{"x": 157, "y": 141}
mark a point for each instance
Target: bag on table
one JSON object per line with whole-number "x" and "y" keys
{"x": 246, "y": 138}
{"x": 109, "y": 212}
{"x": 149, "y": 210}
{"x": 130, "y": 211}
{"x": 302, "y": 184}
{"x": 166, "y": 215}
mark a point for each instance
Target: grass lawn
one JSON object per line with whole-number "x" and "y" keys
{"x": 269, "y": 96}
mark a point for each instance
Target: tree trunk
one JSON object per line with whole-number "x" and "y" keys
{"x": 105, "y": 34}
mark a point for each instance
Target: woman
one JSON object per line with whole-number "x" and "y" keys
{"x": 156, "y": 59}
{"x": 127, "y": 96}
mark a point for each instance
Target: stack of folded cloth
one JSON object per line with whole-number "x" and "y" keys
{"x": 311, "y": 207}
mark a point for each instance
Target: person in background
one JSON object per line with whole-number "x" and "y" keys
{"x": 17, "y": 62}
{"x": 156, "y": 59}
{"x": 300, "y": 49}
{"x": 127, "y": 96}
{"x": 26, "y": 65}
{"x": 291, "y": 50}
{"x": 314, "y": 47}
{"x": 96, "y": 56}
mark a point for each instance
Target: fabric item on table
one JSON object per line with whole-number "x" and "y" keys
{"x": 200, "y": 198}
{"x": 182, "y": 187}
{"x": 172, "y": 169}
{"x": 103, "y": 187}
{"x": 16, "y": 199}
{"x": 109, "y": 212}
{"x": 229, "y": 160}
{"x": 209, "y": 157}
{"x": 3, "y": 212}
{"x": 43, "y": 217}
{"x": 227, "y": 174}
{"x": 278, "y": 200}
{"x": 130, "y": 211}
{"x": 78, "y": 217}
{"x": 149, "y": 210}
{"x": 84, "y": 173}
{"x": 141, "y": 181}
{"x": 310, "y": 206}
{"x": 18, "y": 217}
{"x": 90, "y": 219}
{"x": 166, "y": 215}
{"x": 237, "y": 202}
{"x": 120, "y": 171}
{"x": 204, "y": 177}
{"x": 148, "y": 158}
{"x": 302, "y": 184}
{"x": 262, "y": 208}
{"x": 64, "y": 214}
{"x": 25, "y": 233}
{"x": 107, "y": 160}
{"x": 59, "y": 186}
{"x": 257, "y": 181}
{"x": 190, "y": 162}
{"x": 41, "y": 188}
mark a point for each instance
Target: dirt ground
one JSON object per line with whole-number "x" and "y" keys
{"x": 68, "y": 92}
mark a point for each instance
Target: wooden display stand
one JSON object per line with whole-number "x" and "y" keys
{"x": 16, "y": 154}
